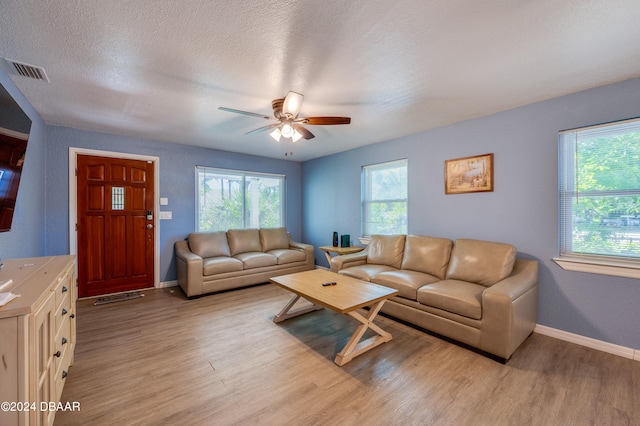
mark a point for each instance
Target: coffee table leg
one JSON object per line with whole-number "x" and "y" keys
{"x": 354, "y": 347}
{"x": 287, "y": 313}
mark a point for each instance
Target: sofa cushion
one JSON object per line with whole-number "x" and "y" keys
{"x": 427, "y": 254}
{"x": 209, "y": 244}
{"x": 274, "y": 238}
{"x": 365, "y": 272}
{"x": 481, "y": 262}
{"x": 405, "y": 281}
{"x": 460, "y": 297}
{"x": 220, "y": 265}
{"x": 256, "y": 259}
{"x": 288, "y": 255}
{"x": 386, "y": 250}
{"x": 243, "y": 241}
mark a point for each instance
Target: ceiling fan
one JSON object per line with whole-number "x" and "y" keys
{"x": 285, "y": 111}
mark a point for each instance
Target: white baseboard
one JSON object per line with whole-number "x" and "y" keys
{"x": 588, "y": 342}
{"x": 165, "y": 284}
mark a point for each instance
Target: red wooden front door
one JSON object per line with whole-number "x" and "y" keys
{"x": 115, "y": 225}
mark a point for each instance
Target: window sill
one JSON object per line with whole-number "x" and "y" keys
{"x": 595, "y": 267}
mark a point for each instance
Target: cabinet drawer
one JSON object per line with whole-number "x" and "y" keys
{"x": 61, "y": 373}
{"x": 62, "y": 341}
{"x": 63, "y": 310}
{"x": 63, "y": 289}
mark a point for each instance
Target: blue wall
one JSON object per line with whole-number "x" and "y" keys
{"x": 177, "y": 183}
{"x": 27, "y": 235}
{"x": 522, "y": 210}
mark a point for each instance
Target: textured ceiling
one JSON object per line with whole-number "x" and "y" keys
{"x": 160, "y": 69}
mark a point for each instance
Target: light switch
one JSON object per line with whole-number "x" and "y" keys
{"x": 164, "y": 201}
{"x": 166, "y": 215}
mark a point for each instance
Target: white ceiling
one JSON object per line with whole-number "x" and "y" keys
{"x": 159, "y": 69}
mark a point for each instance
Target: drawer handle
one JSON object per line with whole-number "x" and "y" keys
{"x": 64, "y": 340}
{"x": 72, "y": 316}
{"x": 64, "y": 312}
{"x": 64, "y": 289}
{"x": 64, "y": 374}
{"x": 57, "y": 354}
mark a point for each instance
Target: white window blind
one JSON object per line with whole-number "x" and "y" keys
{"x": 599, "y": 193}
{"x": 384, "y": 198}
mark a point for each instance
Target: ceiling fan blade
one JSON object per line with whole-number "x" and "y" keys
{"x": 263, "y": 128}
{"x": 292, "y": 104}
{"x": 253, "y": 114}
{"x": 304, "y": 132}
{"x": 324, "y": 121}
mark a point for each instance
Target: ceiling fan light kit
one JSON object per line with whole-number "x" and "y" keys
{"x": 276, "y": 134}
{"x": 286, "y": 132}
{"x": 285, "y": 111}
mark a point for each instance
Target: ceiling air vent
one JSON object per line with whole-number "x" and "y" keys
{"x": 29, "y": 71}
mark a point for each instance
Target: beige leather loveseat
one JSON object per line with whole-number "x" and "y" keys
{"x": 475, "y": 292}
{"x": 213, "y": 261}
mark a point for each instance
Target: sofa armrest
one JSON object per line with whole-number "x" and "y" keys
{"x": 509, "y": 309}
{"x": 348, "y": 260}
{"x": 307, "y": 248}
{"x": 523, "y": 277}
{"x": 300, "y": 246}
{"x": 189, "y": 269}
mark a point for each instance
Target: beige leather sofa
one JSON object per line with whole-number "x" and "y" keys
{"x": 213, "y": 261}
{"x": 475, "y": 292}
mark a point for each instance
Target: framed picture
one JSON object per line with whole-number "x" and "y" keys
{"x": 469, "y": 174}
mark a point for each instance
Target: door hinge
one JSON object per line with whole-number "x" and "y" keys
{"x": 76, "y": 227}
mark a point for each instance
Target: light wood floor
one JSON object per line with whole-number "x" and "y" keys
{"x": 220, "y": 360}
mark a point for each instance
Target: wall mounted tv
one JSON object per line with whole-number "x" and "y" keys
{"x": 14, "y": 135}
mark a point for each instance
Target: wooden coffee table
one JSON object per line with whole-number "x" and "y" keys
{"x": 345, "y": 297}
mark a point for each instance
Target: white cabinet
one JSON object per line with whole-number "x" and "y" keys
{"x": 37, "y": 337}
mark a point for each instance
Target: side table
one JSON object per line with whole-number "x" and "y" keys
{"x": 338, "y": 251}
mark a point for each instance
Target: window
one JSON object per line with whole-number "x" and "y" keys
{"x": 384, "y": 198}
{"x": 599, "y": 191}
{"x": 117, "y": 198}
{"x": 229, "y": 199}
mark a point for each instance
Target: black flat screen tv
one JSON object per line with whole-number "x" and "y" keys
{"x": 15, "y": 126}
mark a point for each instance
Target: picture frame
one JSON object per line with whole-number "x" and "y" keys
{"x": 469, "y": 174}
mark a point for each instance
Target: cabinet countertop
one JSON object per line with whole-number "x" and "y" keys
{"x": 37, "y": 272}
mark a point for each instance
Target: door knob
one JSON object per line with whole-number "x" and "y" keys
{"x": 149, "y": 226}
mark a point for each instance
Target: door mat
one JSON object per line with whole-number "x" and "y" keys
{"x": 117, "y": 298}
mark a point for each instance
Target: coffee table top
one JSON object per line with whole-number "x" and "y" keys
{"x": 347, "y": 295}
